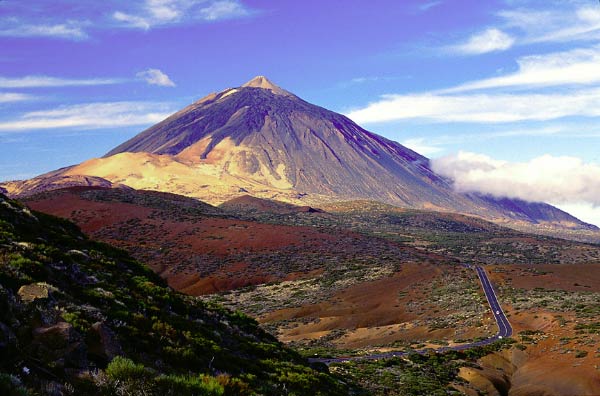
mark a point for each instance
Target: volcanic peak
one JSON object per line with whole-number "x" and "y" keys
{"x": 264, "y": 83}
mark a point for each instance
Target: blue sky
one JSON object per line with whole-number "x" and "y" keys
{"x": 504, "y": 95}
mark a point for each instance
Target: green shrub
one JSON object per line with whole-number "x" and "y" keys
{"x": 121, "y": 369}
{"x": 177, "y": 385}
{"x": 125, "y": 377}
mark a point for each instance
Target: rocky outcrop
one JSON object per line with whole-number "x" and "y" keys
{"x": 59, "y": 345}
{"x": 103, "y": 342}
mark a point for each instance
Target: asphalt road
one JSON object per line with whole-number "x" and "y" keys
{"x": 504, "y": 329}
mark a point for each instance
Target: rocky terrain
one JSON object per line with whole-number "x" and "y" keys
{"x": 80, "y": 317}
{"x": 304, "y": 272}
{"x": 336, "y": 241}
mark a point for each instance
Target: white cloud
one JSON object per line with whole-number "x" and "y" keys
{"x": 421, "y": 146}
{"x": 6, "y": 97}
{"x": 163, "y": 12}
{"x": 559, "y": 25}
{"x": 523, "y": 26}
{"x": 481, "y": 108}
{"x": 154, "y": 12}
{"x": 166, "y": 10}
{"x": 223, "y": 9}
{"x": 132, "y": 20}
{"x": 577, "y": 66}
{"x": 70, "y": 31}
{"x": 47, "y": 81}
{"x": 490, "y": 40}
{"x": 559, "y": 180}
{"x": 576, "y": 71}
{"x": 155, "y": 77}
{"x": 89, "y": 116}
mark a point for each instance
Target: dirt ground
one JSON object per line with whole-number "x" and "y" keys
{"x": 559, "y": 357}
{"x": 161, "y": 241}
{"x": 378, "y": 313}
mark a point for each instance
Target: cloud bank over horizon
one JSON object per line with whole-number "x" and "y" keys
{"x": 567, "y": 182}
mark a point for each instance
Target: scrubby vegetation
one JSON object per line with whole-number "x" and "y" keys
{"x": 79, "y": 317}
{"x": 468, "y": 239}
{"x": 168, "y": 349}
{"x": 417, "y": 374}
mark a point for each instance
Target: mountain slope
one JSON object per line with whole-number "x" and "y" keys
{"x": 264, "y": 141}
{"x": 69, "y": 306}
{"x": 285, "y": 142}
{"x": 538, "y": 213}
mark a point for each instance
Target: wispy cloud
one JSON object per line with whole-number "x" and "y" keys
{"x": 89, "y": 116}
{"x": 77, "y": 23}
{"x": 577, "y": 66}
{"x": 489, "y": 40}
{"x": 559, "y": 180}
{"x": 71, "y": 30}
{"x": 155, "y": 13}
{"x": 429, "y": 4}
{"x": 436, "y": 144}
{"x": 523, "y": 26}
{"x": 6, "y": 97}
{"x": 421, "y": 146}
{"x": 155, "y": 77}
{"x": 132, "y": 20}
{"x": 574, "y": 74}
{"x": 48, "y": 81}
{"x": 554, "y": 25}
{"x": 481, "y": 108}
{"x": 364, "y": 80}
{"x": 224, "y": 9}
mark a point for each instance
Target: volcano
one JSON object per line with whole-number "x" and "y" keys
{"x": 262, "y": 140}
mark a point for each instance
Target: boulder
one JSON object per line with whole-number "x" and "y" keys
{"x": 60, "y": 344}
{"x": 103, "y": 342}
{"x": 35, "y": 291}
{"x": 56, "y": 336}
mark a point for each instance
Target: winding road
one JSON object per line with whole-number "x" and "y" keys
{"x": 504, "y": 329}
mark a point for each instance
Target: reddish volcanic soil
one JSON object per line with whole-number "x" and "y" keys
{"x": 559, "y": 359}
{"x": 160, "y": 239}
{"x": 574, "y": 277}
{"x": 377, "y": 312}
{"x": 219, "y": 236}
{"x": 199, "y": 249}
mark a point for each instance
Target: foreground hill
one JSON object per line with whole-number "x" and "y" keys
{"x": 261, "y": 140}
{"x": 79, "y": 317}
